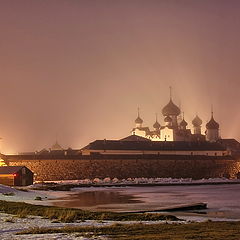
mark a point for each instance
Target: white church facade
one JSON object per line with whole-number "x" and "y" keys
{"x": 175, "y": 127}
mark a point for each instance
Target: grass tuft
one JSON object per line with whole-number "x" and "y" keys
{"x": 8, "y": 194}
{"x": 22, "y": 209}
{"x": 37, "y": 198}
{"x": 10, "y": 220}
{"x": 192, "y": 231}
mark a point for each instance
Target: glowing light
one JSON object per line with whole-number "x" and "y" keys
{"x": 2, "y": 163}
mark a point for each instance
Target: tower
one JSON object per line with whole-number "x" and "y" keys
{"x": 168, "y": 121}
{"x": 183, "y": 124}
{"x": 171, "y": 110}
{"x": 156, "y": 125}
{"x": 197, "y": 122}
{"x": 212, "y": 130}
{"x": 138, "y": 121}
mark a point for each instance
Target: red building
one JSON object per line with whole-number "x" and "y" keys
{"x": 16, "y": 176}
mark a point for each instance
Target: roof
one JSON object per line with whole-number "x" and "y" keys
{"x": 135, "y": 138}
{"x": 197, "y": 121}
{"x": 171, "y": 109}
{"x": 156, "y": 125}
{"x": 10, "y": 169}
{"x": 183, "y": 123}
{"x": 154, "y": 145}
{"x": 56, "y": 146}
{"x": 230, "y": 143}
{"x": 45, "y": 152}
{"x": 212, "y": 124}
{"x": 138, "y": 120}
{"x": 146, "y": 129}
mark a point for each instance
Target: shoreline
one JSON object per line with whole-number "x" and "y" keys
{"x": 175, "y": 182}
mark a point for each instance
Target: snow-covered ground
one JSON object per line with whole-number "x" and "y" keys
{"x": 12, "y": 194}
{"x": 170, "y": 181}
{"x": 9, "y": 225}
{"x": 223, "y": 204}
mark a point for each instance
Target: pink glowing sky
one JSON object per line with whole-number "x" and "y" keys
{"x": 78, "y": 69}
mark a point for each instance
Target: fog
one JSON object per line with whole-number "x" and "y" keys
{"x": 77, "y": 71}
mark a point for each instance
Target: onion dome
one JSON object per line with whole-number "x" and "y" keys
{"x": 212, "y": 124}
{"x": 138, "y": 120}
{"x": 197, "y": 121}
{"x": 183, "y": 123}
{"x": 167, "y": 119}
{"x": 171, "y": 109}
{"x": 156, "y": 125}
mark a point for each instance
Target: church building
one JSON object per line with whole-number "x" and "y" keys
{"x": 175, "y": 127}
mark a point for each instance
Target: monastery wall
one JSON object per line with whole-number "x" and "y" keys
{"x": 68, "y": 169}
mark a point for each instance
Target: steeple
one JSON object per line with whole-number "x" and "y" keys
{"x": 212, "y": 124}
{"x": 138, "y": 120}
{"x": 156, "y": 125}
{"x": 170, "y": 109}
{"x": 183, "y": 124}
{"x": 212, "y": 132}
{"x": 197, "y": 122}
{"x": 56, "y": 147}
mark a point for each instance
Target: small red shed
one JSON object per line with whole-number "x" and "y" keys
{"x": 16, "y": 176}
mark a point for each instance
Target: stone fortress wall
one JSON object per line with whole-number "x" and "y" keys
{"x": 130, "y": 167}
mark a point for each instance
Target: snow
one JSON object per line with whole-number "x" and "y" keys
{"x": 165, "y": 181}
{"x": 7, "y": 189}
{"x": 8, "y": 229}
{"x": 12, "y": 194}
{"x": 222, "y": 202}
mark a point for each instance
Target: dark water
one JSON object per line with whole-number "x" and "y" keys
{"x": 223, "y": 200}
{"x": 95, "y": 199}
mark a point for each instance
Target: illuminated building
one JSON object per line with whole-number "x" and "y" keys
{"x": 2, "y": 162}
{"x": 175, "y": 127}
{"x": 169, "y": 150}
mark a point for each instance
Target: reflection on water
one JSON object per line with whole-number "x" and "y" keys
{"x": 222, "y": 200}
{"x": 95, "y": 198}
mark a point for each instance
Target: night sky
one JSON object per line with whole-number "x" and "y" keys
{"x": 78, "y": 70}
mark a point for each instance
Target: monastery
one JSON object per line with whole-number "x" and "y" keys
{"x": 175, "y": 127}
{"x": 169, "y": 150}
